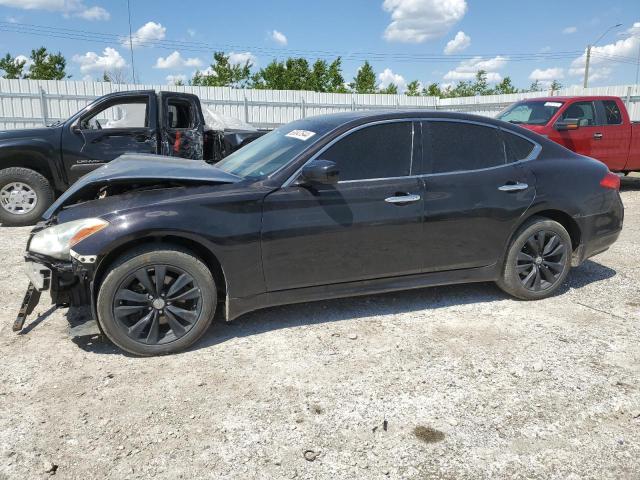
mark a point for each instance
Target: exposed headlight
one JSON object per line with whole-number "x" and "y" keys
{"x": 57, "y": 241}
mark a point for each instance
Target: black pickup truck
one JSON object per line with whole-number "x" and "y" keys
{"x": 36, "y": 165}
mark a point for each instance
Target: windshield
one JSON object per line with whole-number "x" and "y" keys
{"x": 269, "y": 153}
{"x": 530, "y": 113}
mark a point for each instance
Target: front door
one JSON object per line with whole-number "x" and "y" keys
{"x": 580, "y": 140}
{"x": 361, "y": 227}
{"x": 119, "y": 126}
{"x": 182, "y": 126}
{"x": 475, "y": 192}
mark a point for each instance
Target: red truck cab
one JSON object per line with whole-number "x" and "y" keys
{"x": 595, "y": 126}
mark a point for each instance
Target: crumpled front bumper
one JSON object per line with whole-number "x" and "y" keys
{"x": 68, "y": 282}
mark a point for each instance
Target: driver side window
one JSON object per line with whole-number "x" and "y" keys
{"x": 129, "y": 113}
{"x": 581, "y": 111}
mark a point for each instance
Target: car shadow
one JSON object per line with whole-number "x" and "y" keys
{"x": 629, "y": 184}
{"x": 329, "y": 311}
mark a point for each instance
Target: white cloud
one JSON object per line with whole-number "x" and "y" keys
{"x": 175, "y": 61}
{"x": 75, "y": 8}
{"x": 387, "y": 77}
{"x": 191, "y": 32}
{"x": 467, "y": 69}
{"x": 177, "y": 78}
{"x": 569, "y": 30}
{"x": 547, "y": 74}
{"x": 241, "y": 58}
{"x": 278, "y": 37}
{"x": 459, "y": 43}
{"x": 150, "y": 32}
{"x": 603, "y": 57}
{"x": 22, "y": 58}
{"x": 109, "y": 61}
{"x": 415, "y": 21}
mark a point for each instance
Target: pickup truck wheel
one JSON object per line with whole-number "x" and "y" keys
{"x": 156, "y": 300}
{"x": 538, "y": 260}
{"x": 24, "y": 196}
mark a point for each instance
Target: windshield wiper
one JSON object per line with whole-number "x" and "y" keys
{"x": 517, "y": 122}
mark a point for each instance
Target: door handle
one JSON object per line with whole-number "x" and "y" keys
{"x": 513, "y": 187}
{"x": 597, "y": 135}
{"x": 408, "y": 198}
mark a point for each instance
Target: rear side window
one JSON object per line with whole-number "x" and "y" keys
{"x": 517, "y": 147}
{"x": 379, "y": 151}
{"x": 612, "y": 112}
{"x": 457, "y": 146}
{"x": 180, "y": 114}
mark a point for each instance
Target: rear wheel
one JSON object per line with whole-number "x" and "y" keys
{"x": 24, "y": 196}
{"x": 538, "y": 260}
{"x": 156, "y": 301}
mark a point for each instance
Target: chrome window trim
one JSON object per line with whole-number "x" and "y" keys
{"x": 296, "y": 174}
{"x": 532, "y": 156}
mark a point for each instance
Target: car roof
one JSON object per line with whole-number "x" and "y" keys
{"x": 369, "y": 116}
{"x": 568, "y": 98}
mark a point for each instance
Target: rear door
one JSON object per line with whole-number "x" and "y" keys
{"x": 357, "y": 229}
{"x": 476, "y": 189}
{"x": 612, "y": 137}
{"x": 124, "y": 124}
{"x": 182, "y": 125}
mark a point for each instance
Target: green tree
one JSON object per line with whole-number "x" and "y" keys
{"x": 505, "y": 86}
{"x": 391, "y": 89}
{"x": 433, "y": 90}
{"x": 480, "y": 85}
{"x": 12, "y": 67}
{"x": 223, "y": 73}
{"x": 535, "y": 86}
{"x": 555, "y": 86}
{"x": 413, "y": 89}
{"x": 365, "y": 80}
{"x": 46, "y": 66}
{"x": 336, "y": 80}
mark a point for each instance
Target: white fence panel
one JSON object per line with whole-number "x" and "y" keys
{"x": 33, "y": 103}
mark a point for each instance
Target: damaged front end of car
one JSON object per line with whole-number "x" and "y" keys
{"x": 54, "y": 259}
{"x": 51, "y": 264}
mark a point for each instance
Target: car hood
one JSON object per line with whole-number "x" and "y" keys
{"x": 139, "y": 170}
{"x": 29, "y": 133}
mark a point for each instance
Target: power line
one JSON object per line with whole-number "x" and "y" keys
{"x": 97, "y": 37}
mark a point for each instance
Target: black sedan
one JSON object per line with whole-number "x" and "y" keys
{"x": 331, "y": 206}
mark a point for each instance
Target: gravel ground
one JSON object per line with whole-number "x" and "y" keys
{"x": 449, "y": 382}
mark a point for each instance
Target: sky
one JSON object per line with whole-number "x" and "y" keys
{"x": 441, "y": 41}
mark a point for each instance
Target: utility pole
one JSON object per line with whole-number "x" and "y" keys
{"x": 133, "y": 67}
{"x": 586, "y": 67}
{"x": 589, "y": 47}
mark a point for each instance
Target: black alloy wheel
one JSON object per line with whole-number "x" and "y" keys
{"x": 157, "y": 304}
{"x": 156, "y": 299}
{"x": 541, "y": 260}
{"x": 537, "y": 261}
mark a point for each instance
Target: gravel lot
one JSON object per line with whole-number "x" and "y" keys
{"x": 450, "y": 382}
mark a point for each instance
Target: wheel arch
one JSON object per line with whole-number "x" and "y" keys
{"x": 32, "y": 159}
{"x": 560, "y": 216}
{"x": 169, "y": 239}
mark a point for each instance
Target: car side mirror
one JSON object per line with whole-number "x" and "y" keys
{"x": 323, "y": 172}
{"x": 76, "y": 128}
{"x": 568, "y": 124}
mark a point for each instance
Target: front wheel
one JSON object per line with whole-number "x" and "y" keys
{"x": 24, "y": 196}
{"x": 156, "y": 300}
{"x": 538, "y": 260}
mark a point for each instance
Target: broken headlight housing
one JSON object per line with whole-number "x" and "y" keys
{"x": 58, "y": 240}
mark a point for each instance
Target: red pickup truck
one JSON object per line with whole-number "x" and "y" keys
{"x": 598, "y": 127}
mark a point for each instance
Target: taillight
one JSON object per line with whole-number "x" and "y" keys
{"x": 611, "y": 180}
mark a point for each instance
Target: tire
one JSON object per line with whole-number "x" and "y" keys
{"x": 531, "y": 272}
{"x": 36, "y": 195}
{"x": 122, "y": 308}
